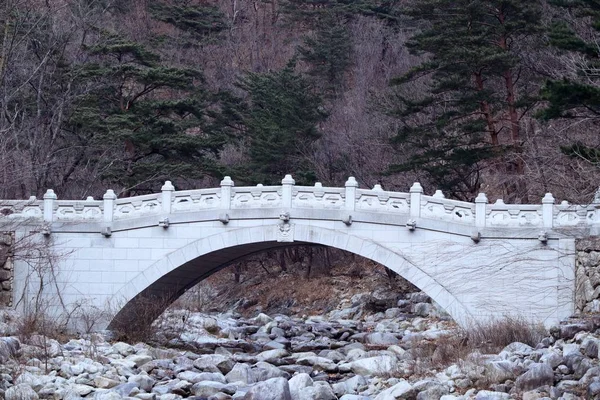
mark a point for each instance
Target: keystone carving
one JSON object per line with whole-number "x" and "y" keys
{"x": 285, "y": 233}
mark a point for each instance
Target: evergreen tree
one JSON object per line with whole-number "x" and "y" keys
{"x": 281, "y": 119}
{"x": 328, "y": 53}
{"x": 197, "y": 21}
{"x": 470, "y": 111}
{"x": 577, "y": 95}
{"x": 152, "y": 116}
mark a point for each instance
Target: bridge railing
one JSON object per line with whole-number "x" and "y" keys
{"x": 349, "y": 198}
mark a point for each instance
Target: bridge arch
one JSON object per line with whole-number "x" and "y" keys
{"x": 183, "y": 268}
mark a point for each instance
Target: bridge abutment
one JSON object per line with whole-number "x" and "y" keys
{"x": 587, "y": 272}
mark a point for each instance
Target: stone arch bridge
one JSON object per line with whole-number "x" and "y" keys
{"x": 476, "y": 260}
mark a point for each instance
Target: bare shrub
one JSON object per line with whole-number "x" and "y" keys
{"x": 135, "y": 324}
{"x": 499, "y": 333}
{"x": 482, "y": 338}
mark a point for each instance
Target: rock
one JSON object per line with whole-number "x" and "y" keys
{"x": 271, "y": 389}
{"x": 593, "y": 390}
{"x": 9, "y": 348}
{"x": 552, "y": 358}
{"x": 539, "y": 374}
{"x": 568, "y": 331}
{"x": 379, "y": 365}
{"x": 144, "y": 381}
{"x": 297, "y": 383}
{"x": 139, "y": 359}
{"x": 31, "y": 380}
{"x": 240, "y": 373}
{"x": 401, "y": 390}
{"x": 103, "y": 382}
{"x": 518, "y": 348}
{"x": 490, "y": 395}
{"x": 319, "y": 391}
{"x": 500, "y": 371}
{"x": 272, "y": 355}
{"x": 107, "y": 395}
{"x": 125, "y": 389}
{"x": 195, "y": 377}
{"x": 262, "y": 319}
{"x": 214, "y": 363}
{"x": 421, "y": 309}
{"x": 354, "y": 397}
{"x": 208, "y": 388}
{"x": 381, "y": 339}
{"x": 20, "y": 392}
{"x": 123, "y": 349}
{"x": 433, "y": 392}
{"x": 48, "y": 347}
{"x": 264, "y": 371}
{"x": 351, "y": 385}
{"x": 320, "y": 363}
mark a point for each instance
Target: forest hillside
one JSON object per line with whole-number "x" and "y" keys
{"x": 499, "y": 96}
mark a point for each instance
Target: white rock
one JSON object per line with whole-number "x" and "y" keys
{"x": 271, "y": 389}
{"x": 299, "y": 382}
{"x": 489, "y": 395}
{"x": 379, "y": 365}
{"x": 20, "y": 392}
{"x": 402, "y": 388}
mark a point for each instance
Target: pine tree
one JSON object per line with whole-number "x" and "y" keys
{"x": 470, "y": 111}
{"x": 328, "y": 52}
{"x": 576, "y": 31}
{"x": 281, "y": 119}
{"x": 152, "y": 115}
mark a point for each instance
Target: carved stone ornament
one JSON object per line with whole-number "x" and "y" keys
{"x": 285, "y": 233}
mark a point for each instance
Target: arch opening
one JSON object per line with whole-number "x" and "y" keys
{"x": 167, "y": 279}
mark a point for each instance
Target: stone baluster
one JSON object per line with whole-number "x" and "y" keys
{"x": 286, "y": 194}
{"x": 167, "y": 197}
{"x": 49, "y": 199}
{"x": 351, "y": 186}
{"x": 480, "y": 205}
{"x": 416, "y": 191}
{"x": 109, "y": 205}
{"x": 548, "y": 210}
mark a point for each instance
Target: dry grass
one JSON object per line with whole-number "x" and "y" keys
{"x": 487, "y": 338}
{"x": 497, "y": 334}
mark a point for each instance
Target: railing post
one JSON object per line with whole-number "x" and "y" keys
{"x": 286, "y": 193}
{"x": 109, "y": 205}
{"x": 167, "y": 196}
{"x": 548, "y": 210}
{"x": 49, "y": 199}
{"x": 351, "y": 186}
{"x": 416, "y": 190}
{"x": 226, "y": 185}
{"x": 480, "y": 204}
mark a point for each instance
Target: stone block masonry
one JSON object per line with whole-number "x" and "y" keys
{"x": 587, "y": 273}
{"x": 6, "y": 270}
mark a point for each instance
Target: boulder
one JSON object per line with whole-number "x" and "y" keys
{"x": 381, "y": 339}
{"x": 401, "y": 390}
{"x": 299, "y": 382}
{"x": 21, "y": 392}
{"x": 539, "y": 374}
{"x": 271, "y": 389}
{"x": 9, "y": 348}
{"x": 491, "y": 395}
{"x": 371, "y": 366}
